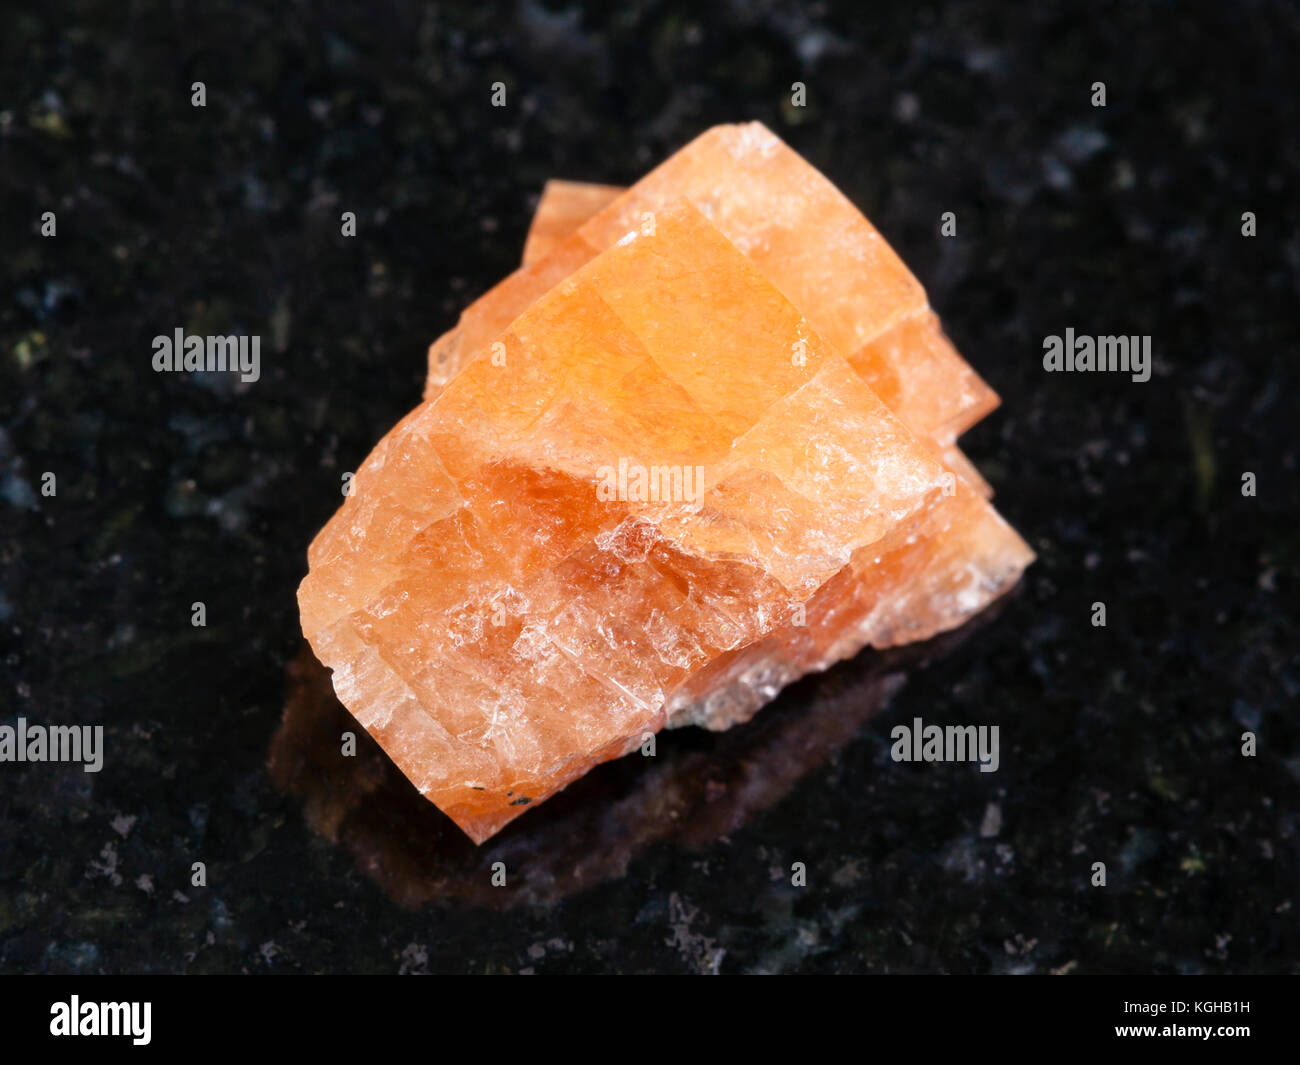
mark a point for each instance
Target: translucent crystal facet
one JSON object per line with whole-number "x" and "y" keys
{"x": 700, "y": 444}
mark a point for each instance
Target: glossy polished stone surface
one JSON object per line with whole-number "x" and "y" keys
{"x": 1119, "y": 744}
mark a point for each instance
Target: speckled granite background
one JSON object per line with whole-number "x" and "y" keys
{"x": 1119, "y": 745}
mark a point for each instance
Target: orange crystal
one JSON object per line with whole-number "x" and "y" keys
{"x": 563, "y": 207}
{"x": 971, "y": 555}
{"x": 806, "y": 237}
{"x": 900, "y": 360}
{"x": 501, "y": 625}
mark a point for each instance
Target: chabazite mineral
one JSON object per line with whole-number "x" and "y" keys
{"x": 972, "y": 556}
{"x": 659, "y": 490}
{"x": 565, "y": 206}
{"x": 805, "y": 237}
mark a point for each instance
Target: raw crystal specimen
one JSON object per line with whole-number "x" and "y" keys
{"x": 981, "y": 552}
{"x": 902, "y": 359}
{"x": 972, "y": 555}
{"x": 416, "y": 855}
{"x": 957, "y": 560}
{"x": 503, "y": 608}
{"x": 564, "y": 206}
{"x": 675, "y": 466}
{"x": 805, "y": 237}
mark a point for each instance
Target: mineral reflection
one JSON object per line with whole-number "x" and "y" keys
{"x": 700, "y": 786}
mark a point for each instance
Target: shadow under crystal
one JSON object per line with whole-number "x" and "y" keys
{"x": 699, "y": 787}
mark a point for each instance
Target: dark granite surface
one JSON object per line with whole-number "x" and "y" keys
{"x": 1119, "y": 745}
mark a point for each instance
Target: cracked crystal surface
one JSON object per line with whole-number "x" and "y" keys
{"x": 505, "y": 603}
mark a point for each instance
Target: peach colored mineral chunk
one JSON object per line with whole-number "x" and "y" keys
{"x": 958, "y": 559}
{"x": 505, "y": 603}
{"x": 802, "y": 233}
{"x": 911, "y": 358}
{"x": 563, "y": 207}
